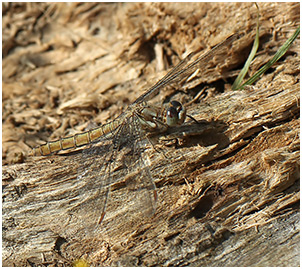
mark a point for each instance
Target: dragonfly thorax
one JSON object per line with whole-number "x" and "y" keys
{"x": 152, "y": 117}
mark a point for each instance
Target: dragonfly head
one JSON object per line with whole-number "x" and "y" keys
{"x": 175, "y": 114}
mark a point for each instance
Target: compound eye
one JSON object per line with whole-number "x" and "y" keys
{"x": 171, "y": 116}
{"x": 176, "y": 114}
{"x": 175, "y": 104}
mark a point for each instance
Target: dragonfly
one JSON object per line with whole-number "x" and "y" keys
{"x": 118, "y": 148}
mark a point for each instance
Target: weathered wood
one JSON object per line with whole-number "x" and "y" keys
{"x": 228, "y": 188}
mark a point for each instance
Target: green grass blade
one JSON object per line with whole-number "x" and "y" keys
{"x": 276, "y": 57}
{"x": 247, "y": 64}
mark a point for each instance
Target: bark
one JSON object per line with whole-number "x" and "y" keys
{"x": 227, "y": 187}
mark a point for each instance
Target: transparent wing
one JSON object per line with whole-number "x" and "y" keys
{"x": 184, "y": 69}
{"x": 113, "y": 177}
{"x": 144, "y": 183}
{"x": 86, "y": 192}
{"x": 133, "y": 195}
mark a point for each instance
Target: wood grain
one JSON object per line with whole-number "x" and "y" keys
{"x": 228, "y": 187}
